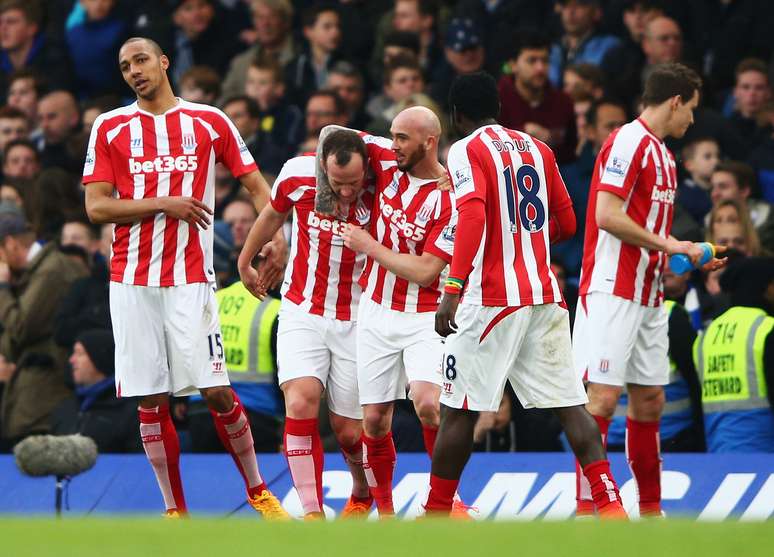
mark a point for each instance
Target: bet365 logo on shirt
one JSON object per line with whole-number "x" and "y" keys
{"x": 183, "y": 163}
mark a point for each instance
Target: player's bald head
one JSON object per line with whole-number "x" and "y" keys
{"x": 420, "y": 120}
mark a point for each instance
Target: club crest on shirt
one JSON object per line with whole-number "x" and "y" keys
{"x": 424, "y": 213}
{"x": 362, "y": 213}
{"x": 189, "y": 142}
{"x": 617, "y": 166}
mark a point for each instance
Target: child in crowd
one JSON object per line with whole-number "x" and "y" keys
{"x": 700, "y": 157}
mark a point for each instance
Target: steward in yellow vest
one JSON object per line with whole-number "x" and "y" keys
{"x": 735, "y": 361}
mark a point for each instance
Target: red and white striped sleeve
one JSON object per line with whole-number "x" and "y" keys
{"x": 440, "y": 236}
{"x": 292, "y": 181}
{"x": 622, "y": 161}
{"x": 230, "y": 148}
{"x": 467, "y": 176}
{"x": 98, "y": 167}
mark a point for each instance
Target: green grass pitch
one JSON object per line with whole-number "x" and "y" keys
{"x": 133, "y": 537}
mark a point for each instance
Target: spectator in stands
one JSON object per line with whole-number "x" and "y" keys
{"x": 583, "y": 82}
{"x": 420, "y": 17}
{"x": 244, "y": 112}
{"x": 20, "y": 160}
{"x": 53, "y": 198}
{"x": 95, "y": 107}
{"x": 736, "y": 346}
{"x": 34, "y": 278}
{"x": 60, "y": 121}
{"x": 92, "y": 42}
{"x": 751, "y": 92}
{"x": 272, "y": 21}
{"x": 13, "y": 125}
{"x": 280, "y": 128}
{"x": 602, "y": 118}
{"x": 200, "y": 84}
{"x": 762, "y": 158}
{"x": 309, "y": 70}
{"x": 463, "y": 54}
{"x": 662, "y": 41}
{"x": 24, "y": 90}
{"x": 94, "y": 410}
{"x": 735, "y": 180}
{"x": 730, "y": 226}
{"x": 82, "y": 234}
{"x": 402, "y": 78}
{"x": 699, "y": 158}
{"x": 12, "y": 193}
{"x": 195, "y": 36}
{"x": 347, "y": 81}
{"x": 581, "y": 41}
{"x": 323, "y": 108}
{"x": 531, "y": 103}
{"x": 396, "y": 43}
{"x": 239, "y": 215}
{"x": 24, "y": 46}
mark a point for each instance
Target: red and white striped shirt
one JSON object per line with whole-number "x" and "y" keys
{"x": 636, "y": 166}
{"x": 321, "y": 274}
{"x": 172, "y": 154}
{"x": 517, "y": 178}
{"x": 411, "y": 216}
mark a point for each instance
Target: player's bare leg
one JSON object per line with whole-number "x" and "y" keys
{"x": 643, "y": 451}
{"x": 379, "y": 454}
{"x": 162, "y": 447}
{"x": 233, "y": 427}
{"x": 586, "y": 442}
{"x": 349, "y": 434}
{"x": 453, "y": 447}
{"x": 603, "y": 400}
{"x": 303, "y": 446}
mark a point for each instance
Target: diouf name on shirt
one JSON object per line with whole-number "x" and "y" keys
{"x": 397, "y": 218}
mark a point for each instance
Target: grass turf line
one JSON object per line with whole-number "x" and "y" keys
{"x": 133, "y": 537}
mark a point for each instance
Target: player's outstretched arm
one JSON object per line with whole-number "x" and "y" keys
{"x": 103, "y": 208}
{"x": 420, "y": 269}
{"x": 612, "y": 217}
{"x": 259, "y": 189}
{"x": 267, "y": 225}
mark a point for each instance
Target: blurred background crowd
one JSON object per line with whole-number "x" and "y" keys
{"x": 569, "y": 71}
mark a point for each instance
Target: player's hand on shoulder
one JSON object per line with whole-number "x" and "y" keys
{"x": 445, "y": 323}
{"x": 357, "y": 239}
{"x": 188, "y": 209}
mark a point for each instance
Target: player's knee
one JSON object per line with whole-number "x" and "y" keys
{"x": 603, "y": 400}
{"x": 301, "y": 406}
{"x": 219, "y": 399}
{"x": 428, "y": 411}
{"x": 376, "y": 423}
{"x": 647, "y": 405}
{"x": 347, "y": 436}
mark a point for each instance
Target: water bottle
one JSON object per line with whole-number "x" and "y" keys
{"x": 680, "y": 263}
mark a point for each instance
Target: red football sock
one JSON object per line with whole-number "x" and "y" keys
{"x": 441, "y": 495}
{"x": 429, "y": 433}
{"x": 378, "y": 465}
{"x": 353, "y": 456}
{"x": 604, "y": 490}
{"x": 159, "y": 439}
{"x": 643, "y": 451}
{"x": 303, "y": 449}
{"x": 234, "y": 431}
{"x": 583, "y": 498}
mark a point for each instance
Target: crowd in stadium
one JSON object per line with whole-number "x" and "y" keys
{"x": 569, "y": 73}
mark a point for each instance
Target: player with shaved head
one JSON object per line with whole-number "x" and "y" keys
{"x": 150, "y": 169}
{"x": 409, "y": 246}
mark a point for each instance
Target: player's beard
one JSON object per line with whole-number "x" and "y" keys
{"x": 412, "y": 160}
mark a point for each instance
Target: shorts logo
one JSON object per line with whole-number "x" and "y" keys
{"x": 604, "y": 366}
{"x": 218, "y": 368}
{"x": 617, "y": 167}
{"x": 448, "y": 388}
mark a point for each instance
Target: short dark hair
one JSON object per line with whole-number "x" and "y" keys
{"x": 38, "y": 83}
{"x": 343, "y": 144}
{"x": 204, "y": 78}
{"x": 475, "y": 96}
{"x": 402, "y": 61}
{"x": 30, "y": 9}
{"x": 310, "y": 15}
{"x": 528, "y": 39}
{"x": 668, "y": 80}
{"x": 103, "y": 103}
{"x": 427, "y": 7}
{"x": 593, "y": 111}
{"x": 347, "y": 69}
{"x": 588, "y": 72}
{"x": 403, "y": 39}
{"x": 11, "y": 113}
{"x": 20, "y": 143}
{"x": 338, "y": 102}
{"x": 252, "y": 107}
{"x": 690, "y": 147}
{"x": 751, "y": 65}
{"x": 268, "y": 63}
{"x": 743, "y": 173}
{"x": 153, "y": 44}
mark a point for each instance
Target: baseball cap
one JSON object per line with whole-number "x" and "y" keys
{"x": 101, "y": 348}
{"x": 462, "y": 34}
{"x": 12, "y": 222}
